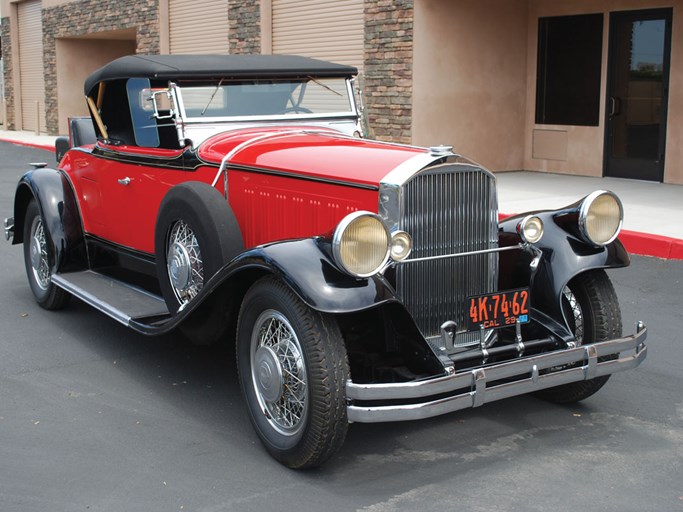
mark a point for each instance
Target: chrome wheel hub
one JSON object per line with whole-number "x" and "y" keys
{"x": 269, "y": 381}
{"x": 278, "y": 373}
{"x": 179, "y": 269}
{"x": 184, "y": 263}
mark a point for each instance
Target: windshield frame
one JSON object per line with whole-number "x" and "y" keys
{"x": 352, "y": 113}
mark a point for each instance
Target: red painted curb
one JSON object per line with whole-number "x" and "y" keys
{"x": 646, "y": 244}
{"x": 46, "y": 147}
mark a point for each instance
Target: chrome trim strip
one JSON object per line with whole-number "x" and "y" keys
{"x": 461, "y": 254}
{"x": 406, "y": 170}
{"x": 474, "y": 385}
{"x": 91, "y": 300}
{"x": 226, "y": 159}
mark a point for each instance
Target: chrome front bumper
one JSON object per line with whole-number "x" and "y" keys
{"x": 9, "y": 228}
{"x": 476, "y": 387}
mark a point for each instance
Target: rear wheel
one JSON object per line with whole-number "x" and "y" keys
{"x": 592, "y": 311}
{"x": 293, "y": 371}
{"x": 37, "y": 256}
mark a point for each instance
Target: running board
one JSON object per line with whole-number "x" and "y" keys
{"x": 121, "y": 301}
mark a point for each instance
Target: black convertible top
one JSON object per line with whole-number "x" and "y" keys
{"x": 215, "y": 66}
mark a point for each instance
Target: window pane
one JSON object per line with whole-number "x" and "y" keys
{"x": 569, "y": 66}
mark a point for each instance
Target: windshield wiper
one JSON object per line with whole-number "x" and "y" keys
{"x": 323, "y": 85}
{"x": 220, "y": 82}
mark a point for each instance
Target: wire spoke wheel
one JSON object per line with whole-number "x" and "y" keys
{"x": 184, "y": 262}
{"x": 293, "y": 371}
{"x": 279, "y": 372}
{"x": 39, "y": 258}
{"x": 591, "y": 310}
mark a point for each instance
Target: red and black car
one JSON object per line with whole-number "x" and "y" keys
{"x": 236, "y": 199}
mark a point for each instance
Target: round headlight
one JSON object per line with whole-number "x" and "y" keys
{"x": 600, "y": 217}
{"x": 401, "y": 245}
{"x": 530, "y": 229}
{"x": 361, "y": 244}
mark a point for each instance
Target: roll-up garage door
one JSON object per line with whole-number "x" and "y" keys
{"x": 324, "y": 29}
{"x": 198, "y": 27}
{"x": 31, "y": 70}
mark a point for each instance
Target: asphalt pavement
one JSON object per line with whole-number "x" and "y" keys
{"x": 95, "y": 417}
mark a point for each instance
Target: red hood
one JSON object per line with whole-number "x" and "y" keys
{"x": 311, "y": 151}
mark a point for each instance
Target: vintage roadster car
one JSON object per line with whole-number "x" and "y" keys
{"x": 236, "y": 199}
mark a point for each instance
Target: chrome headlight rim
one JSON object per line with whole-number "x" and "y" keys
{"x": 584, "y": 210}
{"x": 396, "y": 237}
{"x": 337, "y": 240}
{"x": 523, "y": 227}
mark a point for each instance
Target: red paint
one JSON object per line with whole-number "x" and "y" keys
{"x": 316, "y": 155}
{"x": 302, "y": 185}
{"x": 271, "y": 207}
{"x": 123, "y": 214}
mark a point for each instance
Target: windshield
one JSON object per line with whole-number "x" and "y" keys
{"x": 310, "y": 97}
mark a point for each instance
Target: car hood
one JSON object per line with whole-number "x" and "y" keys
{"x": 314, "y": 152}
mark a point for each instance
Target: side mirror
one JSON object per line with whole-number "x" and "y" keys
{"x": 61, "y": 147}
{"x": 161, "y": 100}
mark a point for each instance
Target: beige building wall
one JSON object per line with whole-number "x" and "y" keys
{"x": 580, "y": 149}
{"x": 469, "y": 78}
{"x": 474, "y": 85}
{"x": 76, "y": 59}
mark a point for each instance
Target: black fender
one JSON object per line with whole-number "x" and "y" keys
{"x": 56, "y": 199}
{"x": 563, "y": 255}
{"x": 307, "y": 267}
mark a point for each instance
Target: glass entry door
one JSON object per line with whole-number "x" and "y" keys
{"x": 637, "y": 92}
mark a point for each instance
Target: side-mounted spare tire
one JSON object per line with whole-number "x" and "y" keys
{"x": 196, "y": 234}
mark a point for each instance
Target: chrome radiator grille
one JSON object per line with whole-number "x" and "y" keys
{"x": 448, "y": 209}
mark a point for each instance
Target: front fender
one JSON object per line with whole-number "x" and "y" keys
{"x": 563, "y": 256}
{"x": 304, "y": 265}
{"x": 57, "y": 202}
{"x": 307, "y": 268}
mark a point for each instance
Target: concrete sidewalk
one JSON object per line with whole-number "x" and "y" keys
{"x": 653, "y": 218}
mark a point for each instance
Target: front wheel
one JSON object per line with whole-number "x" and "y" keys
{"x": 293, "y": 371}
{"x": 37, "y": 255}
{"x": 592, "y": 311}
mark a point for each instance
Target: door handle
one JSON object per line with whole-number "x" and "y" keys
{"x": 124, "y": 181}
{"x": 614, "y": 106}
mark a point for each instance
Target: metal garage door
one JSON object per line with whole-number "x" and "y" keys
{"x": 31, "y": 70}
{"x": 324, "y": 29}
{"x": 198, "y": 27}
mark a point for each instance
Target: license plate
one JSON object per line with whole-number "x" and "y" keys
{"x": 498, "y": 309}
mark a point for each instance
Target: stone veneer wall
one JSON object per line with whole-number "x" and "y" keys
{"x": 7, "y": 61}
{"x": 244, "y": 26}
{"x": 389, "y": 68}
{"x": 90, "y": 16}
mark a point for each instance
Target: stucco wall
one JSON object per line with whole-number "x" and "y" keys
{"x": 584, "y": 145}
{"x": 470, "y": 78}
{"x": 76, "y": 59}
